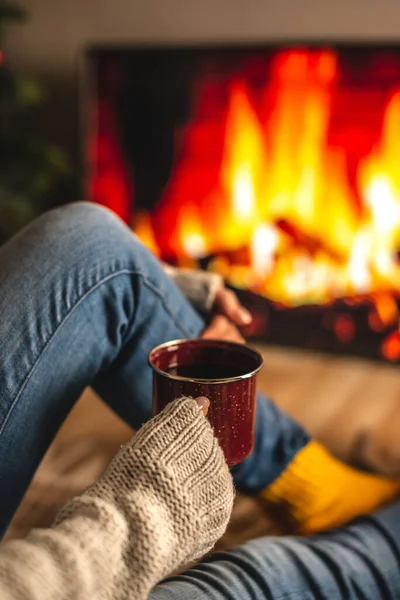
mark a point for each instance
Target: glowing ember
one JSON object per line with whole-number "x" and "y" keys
{"x": 344, "y": 328}
{"x": 391, "y": 346}
{"x": 386, "y": 308}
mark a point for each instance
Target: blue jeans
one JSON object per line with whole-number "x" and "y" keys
{"x": 82, "y": 302}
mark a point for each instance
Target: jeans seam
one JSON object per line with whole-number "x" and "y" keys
{"x": 157, "y": 291}
{"x": 71, "y": 311}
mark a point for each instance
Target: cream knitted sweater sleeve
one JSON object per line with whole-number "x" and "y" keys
{"x": 164, "y": 500}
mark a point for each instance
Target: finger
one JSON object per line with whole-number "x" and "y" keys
{"x": 228, "y": 304}
{"x": 219, "y": 325}
{"x": 203, "y": 403}
{"x": 222, "y": 329}
{"x": 237, "y": 337}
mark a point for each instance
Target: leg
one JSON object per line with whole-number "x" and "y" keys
{"x": 359, "y": 561}
{"x": 82, "y": 303}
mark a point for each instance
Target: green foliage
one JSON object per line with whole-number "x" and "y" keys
{"x": 18, "y": 91}
{"x": 34, "y": 175}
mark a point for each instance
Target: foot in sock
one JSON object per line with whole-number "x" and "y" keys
{"x": 298, "y": 475}
{"x": 319, "y": 492}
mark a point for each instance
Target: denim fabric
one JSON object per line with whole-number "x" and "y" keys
{"x": 360, "y": 561}
{"x": 82, "y": 302}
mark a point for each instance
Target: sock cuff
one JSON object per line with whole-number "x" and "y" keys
{"x": 319, "y": 491}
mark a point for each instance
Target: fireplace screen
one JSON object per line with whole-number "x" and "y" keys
{"x": 278, "y": 168}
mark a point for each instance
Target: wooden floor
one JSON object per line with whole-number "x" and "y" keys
{"x": 337, "y": 399}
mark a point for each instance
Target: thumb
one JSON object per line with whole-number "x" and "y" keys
{"x": 203, "y": 403}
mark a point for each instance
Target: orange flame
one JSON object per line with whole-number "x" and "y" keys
{"x": 282, "y": 192}
{"x": 144, "y": 230}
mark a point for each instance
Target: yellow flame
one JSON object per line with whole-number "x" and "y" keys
{"x": 144, "y": 230}
{"x": 191, "y": 234}
{"x": 283, "y": 193}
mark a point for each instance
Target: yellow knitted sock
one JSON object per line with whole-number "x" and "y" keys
{"x": 320, "y": 492}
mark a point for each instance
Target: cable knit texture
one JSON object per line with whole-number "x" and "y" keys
{"x": 164, "y": 500}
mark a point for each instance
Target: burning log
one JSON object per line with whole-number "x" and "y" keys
{"x": 340, "y": 327}
{"x": 306, "y": 241}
